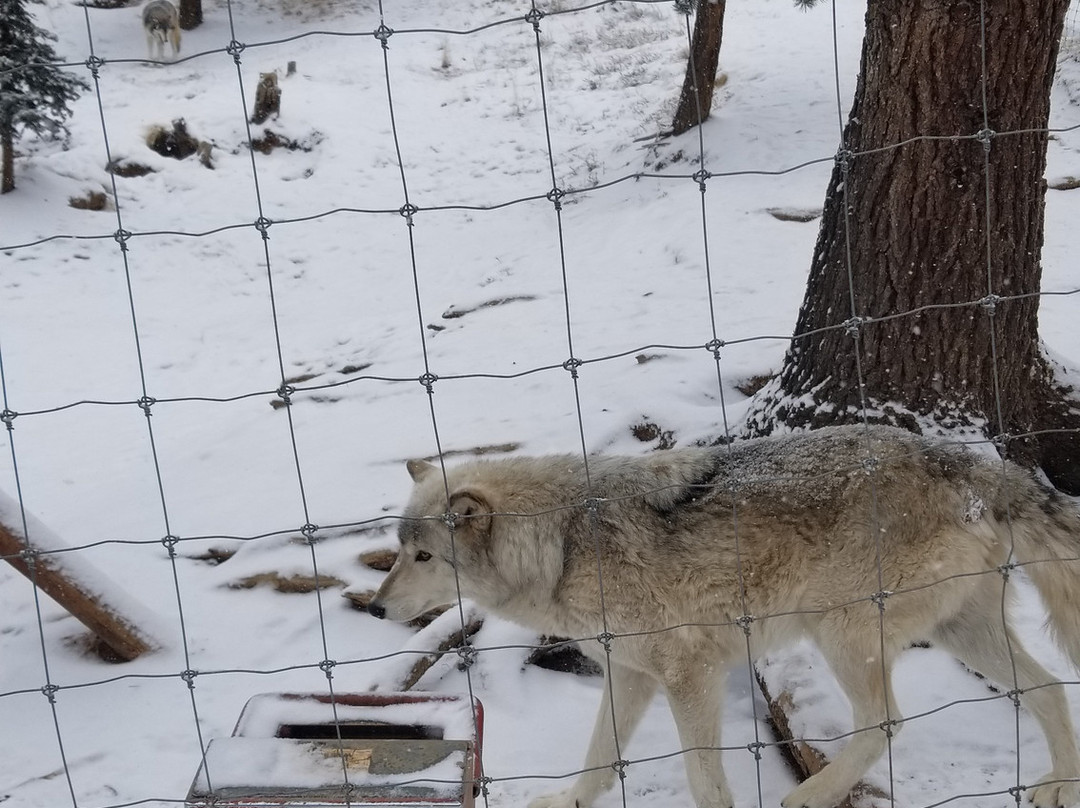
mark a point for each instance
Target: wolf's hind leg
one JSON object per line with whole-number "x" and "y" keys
{"x": 980, "y": 639}
{"x": 630, "y": 692}
{"x": 855, "y": 659}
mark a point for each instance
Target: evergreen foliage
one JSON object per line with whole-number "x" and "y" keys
{"x": 34, "y": 93}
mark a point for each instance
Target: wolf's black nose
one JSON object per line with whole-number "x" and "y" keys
{"x": 376, "y": 609}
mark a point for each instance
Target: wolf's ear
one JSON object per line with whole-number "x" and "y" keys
{"x": 471, "y": 512}
{"x": 419, "y": 469}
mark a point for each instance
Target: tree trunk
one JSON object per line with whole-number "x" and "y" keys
{"x": 7, "y": 173}
{"x": 695, "y": 100}
{"x": 909, "y": 225}
{"x": 190, "y": 12}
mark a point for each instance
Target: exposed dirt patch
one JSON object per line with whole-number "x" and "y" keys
{"x": 215, "y": 556}
{"x": 381, "y": 560}
{"x": 123, "y": 168}
{"x": 454, "y": 312}
{"x": 92, "y": 200}
{"x": 749, "y": 387}
{"x": 294, "y": 584}
{"x": 270, "y": 140}
{"x": 649, "y": 432}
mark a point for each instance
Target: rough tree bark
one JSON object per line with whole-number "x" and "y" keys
{"x": 695, "y": 100}
{"x": 7, "y": 155}
{"x": 916, "y": 236}
{"x": 190, "y": 12}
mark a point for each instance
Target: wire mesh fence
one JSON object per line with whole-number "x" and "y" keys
{"x": 141, "y": 411}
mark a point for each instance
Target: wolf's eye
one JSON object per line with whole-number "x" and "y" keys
{"x": 423, "y": 555}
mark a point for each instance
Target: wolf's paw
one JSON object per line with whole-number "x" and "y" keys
{"x": 813, "y": 793}
{"x": 560, "y": 799}
{"x": 1055, "y": 791}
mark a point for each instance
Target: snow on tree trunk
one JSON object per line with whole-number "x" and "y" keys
{"x": 906, "y": 220}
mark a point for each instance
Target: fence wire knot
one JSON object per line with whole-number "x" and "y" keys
{"x": 1014, "y": 695}
{"x": 888, "y": 726}
{"x": 234, "y": 50}
{"x": 700, "y": 176}
{"x": 428, "y": 380}
{"x": 713, "y": 346}
{"x": 605, "y": 638}
{"x": 1005, "y": 570}
{"x": 169, "y": 542}
{"x": 327, "y": 666}
{"x": 572, "y": 366}
{"x": 262, "y": 224}
{"x": 29, "y": 556}
{"x": 308, "y": 531}
{"x": 467, "y": 654}
{"x": 145, "y": 403}
{"x": 989, "y": 304}
{"x": 554, "y": 196}
{"x": 121, "y": 236}
{"x": 984, "y": 136}
{"x": 50, "y": 692}
{"x": 383, "y": 34}
{"x": 853, "y": 324}
{"x": 880, "y": 597}
{"x": 845, "y": 158}
{"x": 189, "y": 677}
{"x": 483, "y": 782}
{"x": 870, "y": 464}
{"x": 1017, "y": 793}
{"x": 620, "y": 767}
{"x": 755, "y": 748}
{"x": 285, "y": 393}
{"x": 8, "y": 417}
{"x": 533, "y": 18}
{"x": 592, "y": 505}
{"x": 1001, "y": 441}
{"x": 94, "y": 64}
{"x": 408, "y": 211}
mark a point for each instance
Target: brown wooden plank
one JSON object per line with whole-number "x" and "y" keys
{"x": 120, "y": 635}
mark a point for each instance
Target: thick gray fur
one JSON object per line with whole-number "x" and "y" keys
{"x": 795, "y": 536}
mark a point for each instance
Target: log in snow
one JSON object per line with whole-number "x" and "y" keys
{"x": 91, "y": 597}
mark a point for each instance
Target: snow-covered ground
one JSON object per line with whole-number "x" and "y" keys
{"x": 486, "y": 286}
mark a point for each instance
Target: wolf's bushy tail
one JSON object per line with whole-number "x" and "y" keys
{"x": 1044, "y": 530}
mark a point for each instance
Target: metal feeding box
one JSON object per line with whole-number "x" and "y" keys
{"x": 387, "y": 749}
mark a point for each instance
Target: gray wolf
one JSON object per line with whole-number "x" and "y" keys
{"x": 161, "y": 23}
{"x": 864, "y": 539}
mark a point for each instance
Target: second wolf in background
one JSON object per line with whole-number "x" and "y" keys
{"x": 161, "y": 23}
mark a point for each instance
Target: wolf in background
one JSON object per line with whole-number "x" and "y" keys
{"x": 161, "y": 23}
{"x": 806, "y": 535}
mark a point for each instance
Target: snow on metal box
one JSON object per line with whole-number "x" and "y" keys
{"x": 388, "y": 749}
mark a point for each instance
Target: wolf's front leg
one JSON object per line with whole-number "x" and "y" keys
{"x": 629, "y": 691}
{"x": 696, "y": 700}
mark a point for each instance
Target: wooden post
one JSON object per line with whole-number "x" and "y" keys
{"x": 71, "y": 582}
